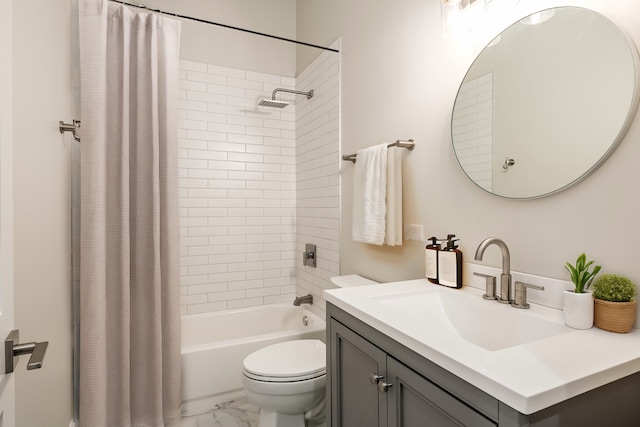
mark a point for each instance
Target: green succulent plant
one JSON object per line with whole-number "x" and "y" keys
{"x": 580, "y": 274}
{"x": 615, "y": 288}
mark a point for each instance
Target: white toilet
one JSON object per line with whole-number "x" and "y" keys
{"x": 287, "y": 380}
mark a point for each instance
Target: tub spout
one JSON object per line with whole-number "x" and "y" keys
{"x": 307, "y": 299}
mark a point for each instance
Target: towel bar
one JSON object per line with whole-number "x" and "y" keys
{"x": 409, "y": 144}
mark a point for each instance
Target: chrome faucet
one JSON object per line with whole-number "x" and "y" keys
{"x": 307, "y": 299}
{"x": 505, "y": 277}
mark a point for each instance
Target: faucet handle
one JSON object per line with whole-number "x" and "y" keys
{"x": 490, "y": 286}
{"x": 520, "y": 300}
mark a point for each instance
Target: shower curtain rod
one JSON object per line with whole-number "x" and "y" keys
{"x": 142, "y": 6}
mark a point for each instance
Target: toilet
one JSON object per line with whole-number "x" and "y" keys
{"x": 287, "y": 380}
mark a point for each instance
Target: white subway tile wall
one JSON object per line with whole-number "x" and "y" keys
{"x": 237, "y": 189}
{"x": 243, "y": 180}
{"x": 473, "y": 131}
{"x": 318, "y": 177}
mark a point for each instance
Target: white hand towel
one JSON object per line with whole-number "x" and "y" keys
{"x": 393, "y": 223}
{"x": 369, "y": 194}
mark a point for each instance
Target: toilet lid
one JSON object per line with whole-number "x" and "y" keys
{"x": 287, "y": 361}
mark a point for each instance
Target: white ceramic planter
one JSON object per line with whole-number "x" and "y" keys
{"x": 578, "y": 309}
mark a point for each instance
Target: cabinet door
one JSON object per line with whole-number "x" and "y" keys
{"x": 414, "y": 401}
{"x": 355, "y": 400}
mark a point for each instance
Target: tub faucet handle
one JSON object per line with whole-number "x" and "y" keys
{"x": 309, "y": 255}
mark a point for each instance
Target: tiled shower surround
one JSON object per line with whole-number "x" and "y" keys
{"x": 318, "y": 177}
{"x": 256, "y": 184}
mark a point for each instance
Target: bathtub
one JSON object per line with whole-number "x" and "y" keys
{"x": 215, "y": 344}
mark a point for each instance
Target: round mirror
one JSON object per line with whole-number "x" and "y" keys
{"x": 545, "y": 103}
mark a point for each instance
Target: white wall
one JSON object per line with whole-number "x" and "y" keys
{"x": 317, "y": 23}
{"x": 42, "y": 170}
{"x": 7, "y": 393}
{"x": 399, "y": 80}
{"x": 220, "y": 46}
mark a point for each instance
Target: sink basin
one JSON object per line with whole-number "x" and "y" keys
{"x": 487, "y": 324}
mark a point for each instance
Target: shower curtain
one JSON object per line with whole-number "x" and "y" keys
{"x": 130, "y": 371}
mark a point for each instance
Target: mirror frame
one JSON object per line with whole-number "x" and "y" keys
{"x": 631, "y": 113}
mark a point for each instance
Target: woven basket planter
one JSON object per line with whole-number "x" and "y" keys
{"x": 614, "y": 316}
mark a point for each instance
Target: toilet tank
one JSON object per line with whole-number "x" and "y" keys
{"x": 351, "y": 280}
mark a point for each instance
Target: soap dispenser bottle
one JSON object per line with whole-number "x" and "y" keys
{"x": 450, "y": 264}
{"x": 431, "y": 260}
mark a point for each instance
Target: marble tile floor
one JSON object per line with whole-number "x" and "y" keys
{"x": 239, "y": 413}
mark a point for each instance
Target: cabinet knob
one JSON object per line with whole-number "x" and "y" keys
{"x": 383, "y": 386}
{"x": 375, "y": 378}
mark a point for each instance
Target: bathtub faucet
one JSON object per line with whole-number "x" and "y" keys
{"x": 307, "y": 299}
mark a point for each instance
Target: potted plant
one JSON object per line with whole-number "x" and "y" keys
{"x": 615, "y": 306}
{"x": 578, "y": 303}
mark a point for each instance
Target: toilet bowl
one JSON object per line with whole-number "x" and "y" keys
{"x": 287, "y": 382}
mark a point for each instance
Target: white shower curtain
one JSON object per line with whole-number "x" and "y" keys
{"x": 130, "y": 371}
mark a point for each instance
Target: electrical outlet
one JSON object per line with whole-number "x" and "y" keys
{"x": 414, "y": 232}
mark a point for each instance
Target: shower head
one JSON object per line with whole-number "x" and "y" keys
{"x": 281, "y": 104}
{"x": 272, "y": 103}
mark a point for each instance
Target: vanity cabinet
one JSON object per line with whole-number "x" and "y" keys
{"x": 354, "y": 360}
{"x": 372, "y": 388}
{"x": 374, "y": 381}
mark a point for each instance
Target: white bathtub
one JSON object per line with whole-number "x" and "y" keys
{"x": 215, "y": 344}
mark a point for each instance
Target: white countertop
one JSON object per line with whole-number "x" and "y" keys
{"x": 527, "y": 377}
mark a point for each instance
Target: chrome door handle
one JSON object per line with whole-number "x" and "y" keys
{"x": 12, "y": 349}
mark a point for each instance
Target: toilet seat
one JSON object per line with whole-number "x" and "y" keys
{"x": 284, "y": 379}
{"x": 288, "y": 361}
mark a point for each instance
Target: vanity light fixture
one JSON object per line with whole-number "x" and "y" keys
{"x": 499, "y": 5}
{"x": 538, "y": 18}
{"x": 455, "y": 19}
{"x": 459, "y": 4}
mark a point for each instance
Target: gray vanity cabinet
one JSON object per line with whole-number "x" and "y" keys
{"x": 356, "y": 400}
{"x": 363, "y": 361}
{"x": 371, "y": 388}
